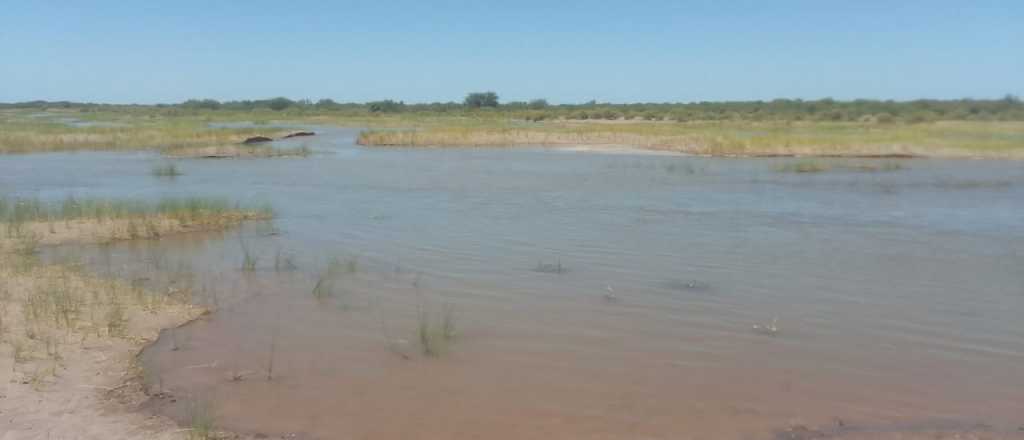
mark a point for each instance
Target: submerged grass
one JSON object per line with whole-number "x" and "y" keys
{"x": 804, "y": 166}
{"x": 201, "y": 420}
{"x": 815, "y": 166}
{"x": 238, "y": 151}
{"x": 166, "y": 170}
{"x": 249, "y": 259}
{"x": 435, "y": 333}
{"x": 326, "y": 282}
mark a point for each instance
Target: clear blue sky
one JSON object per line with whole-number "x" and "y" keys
{"x": 566, "y": 51}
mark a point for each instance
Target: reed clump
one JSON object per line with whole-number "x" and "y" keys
{"x": 336, "y": 270}
{"x": 249, "y": 259}
{"x": 201, "y": 420}
{"x": 436, "y": 331}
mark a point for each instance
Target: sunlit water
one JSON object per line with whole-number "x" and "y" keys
{"x": 898, "y": 295}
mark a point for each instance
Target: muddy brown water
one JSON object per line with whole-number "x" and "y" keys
{"x": 898, "y": 296}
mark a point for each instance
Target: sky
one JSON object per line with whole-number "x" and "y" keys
{"x": 565, "y": 51}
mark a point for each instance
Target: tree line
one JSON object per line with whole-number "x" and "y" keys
{"x": 1007, "y": 108}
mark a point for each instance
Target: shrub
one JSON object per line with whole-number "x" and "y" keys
{"x": 481, "y": 99}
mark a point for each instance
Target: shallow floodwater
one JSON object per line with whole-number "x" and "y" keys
{"x": 898, "y": 295}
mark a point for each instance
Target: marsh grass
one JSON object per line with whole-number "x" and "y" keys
{"x": 435, "y": 332}
{"x": 249, "y": 259}
{"x": 723, "y": 138}
{"x": 48, "y": 312}
{"x": 326, "y": 282}
{"x": 201, "y": 420}
{"x": 120, "y": 132}
{"x": 169, "y": 170}
{"x": 324, "y": 287}
{"x": 15, "y": 212}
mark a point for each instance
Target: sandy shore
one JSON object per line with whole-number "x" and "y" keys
{"x": 69, "y": 340}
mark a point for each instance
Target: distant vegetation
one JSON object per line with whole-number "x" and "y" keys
{"x": 948, "y": 128}
{"x": 481, "y": 100}
{"x": 1007, "y": 108}
{"x": 115, "y": 128}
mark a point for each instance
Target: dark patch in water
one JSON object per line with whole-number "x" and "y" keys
{"x": 555, "y": 267}
{"x": 927, "y": 429}
{"x": 798, "y": 432}
{"x": 688, "y": 285}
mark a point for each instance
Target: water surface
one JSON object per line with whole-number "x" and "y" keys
{"x": 897, "y": 295}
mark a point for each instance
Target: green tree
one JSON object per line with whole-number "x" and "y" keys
{"x": 481, "y": 99}
{"x": 278, "y": 104}
{"x": 386, "y": 106}
{"x": 537, "y": 104}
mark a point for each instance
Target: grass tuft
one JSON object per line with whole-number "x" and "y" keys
{"x": 201, "y": 420}
{"x": 169, "y": 170}
{"x": 249, "y": 259}
{"x": 435, "y": 335}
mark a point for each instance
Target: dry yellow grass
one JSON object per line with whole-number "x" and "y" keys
{"x": 22, "y": 135}
{"x": 940, "y": 139}
{"x": 131, "y": 228}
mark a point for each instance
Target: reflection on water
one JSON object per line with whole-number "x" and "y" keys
{"x": 896, "y": 295}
